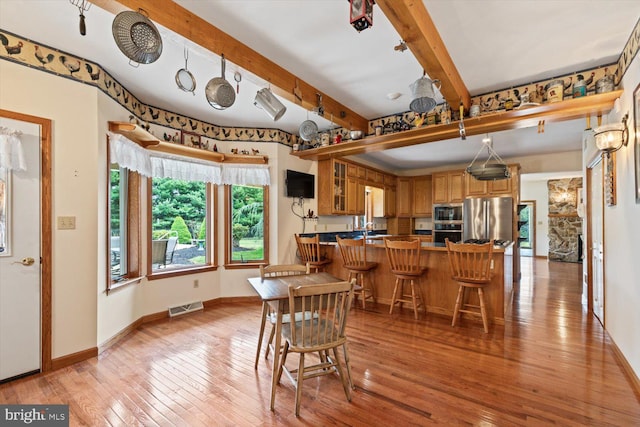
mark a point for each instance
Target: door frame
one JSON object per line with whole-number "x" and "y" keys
{"x": 598, "y": 158}
{"x": 46, "y": 229}
{"x": 532, "y": 225}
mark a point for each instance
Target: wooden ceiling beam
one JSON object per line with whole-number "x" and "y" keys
{"x": 181, "y": 21}
{"x": 516, "y": 119}
{"x": 414, "y": 24}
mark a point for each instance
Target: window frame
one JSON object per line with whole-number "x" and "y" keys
{"x": 211, "y": 254}
{"x": 228, "y": 239}
{"x": 132, "y": 234}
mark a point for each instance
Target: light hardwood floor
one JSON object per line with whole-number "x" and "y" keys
{"x": 551, "y": 364}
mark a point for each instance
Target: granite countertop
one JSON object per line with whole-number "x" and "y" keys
{"x": 378, "y": 242}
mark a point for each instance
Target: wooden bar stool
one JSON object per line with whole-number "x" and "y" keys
{"x": 354, "y": 256}
{"x": 404, "y": 262}
{"x": 471, "y": 268}
{"x": 309, "y": 248}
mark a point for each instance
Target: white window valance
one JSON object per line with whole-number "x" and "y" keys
{"x": 245, "y": 174}
{"x": 11, "y": 154}
{"x": 130, "y": 155}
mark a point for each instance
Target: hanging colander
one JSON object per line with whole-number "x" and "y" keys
{"x": 137, "y": 37}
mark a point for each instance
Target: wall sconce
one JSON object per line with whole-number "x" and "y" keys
{"x": 612, "y": 137}
{"x": 269, "y": 103}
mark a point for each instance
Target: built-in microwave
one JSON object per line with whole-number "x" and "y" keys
{"x": 447, "y": 212}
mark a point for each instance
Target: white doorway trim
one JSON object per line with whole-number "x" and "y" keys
{"x": 45, "y": 230}
{"x": 595, "y": 161}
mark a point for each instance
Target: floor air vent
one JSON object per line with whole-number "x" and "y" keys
{"x": 186, "y": 308}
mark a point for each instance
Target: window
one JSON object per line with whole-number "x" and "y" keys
{"x": 118, "y": 183}
{"x": 247, "y": 225}
{"x": 180, "y": 226}
{"x": 123, "y": 231}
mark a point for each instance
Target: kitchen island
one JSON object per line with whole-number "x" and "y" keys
{"x": 438, "y": 289}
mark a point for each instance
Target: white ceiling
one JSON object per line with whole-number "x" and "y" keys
{"x": 494, "y": 44}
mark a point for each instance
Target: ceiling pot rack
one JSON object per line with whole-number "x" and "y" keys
{"x": 182, "y": 22}
{"x": 571, "y": 109}
{"x": 145, "y": 139}
{"x": 488, "y": 170}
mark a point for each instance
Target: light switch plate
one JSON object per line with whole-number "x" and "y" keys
{"x": 66, "y": 223}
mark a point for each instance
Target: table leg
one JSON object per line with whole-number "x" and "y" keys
{"x": 265, "y": 310}
{"x": 276, "y": 353}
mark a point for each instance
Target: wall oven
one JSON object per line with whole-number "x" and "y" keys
{"x": 451, "y": 231}
{"x": 447, "y": 222}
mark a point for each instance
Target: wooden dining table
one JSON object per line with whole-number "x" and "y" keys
{"x": 275, "y": 290}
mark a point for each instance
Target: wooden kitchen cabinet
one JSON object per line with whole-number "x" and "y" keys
{"x": 389, "y": 202}
{"x": 355, "y": 196}
{"x": 332, "y": 187}
{"x": 475, "y": 187}
{"x": 422, "y": 196}
{"x": 448, "y": 187}
{"x": 404, "y": 197}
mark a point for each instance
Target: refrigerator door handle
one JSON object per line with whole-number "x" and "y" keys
{"x": 486, "y": 219}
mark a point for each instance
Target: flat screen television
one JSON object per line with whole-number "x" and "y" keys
{"x": 300, "y": 184}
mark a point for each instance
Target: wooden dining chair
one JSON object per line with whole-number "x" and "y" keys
{"x": 471, "y": 267}
{"x": 354, "y": 257}
{"x": 309, "y": 249}
{"x": 404, "y": 263}
{"x": 268, "y": 310}
{"x": 321, "y": 333}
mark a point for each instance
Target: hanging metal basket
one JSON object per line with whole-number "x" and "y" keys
{"x": 137, "y": 37}
{"x": 489, "y": 171}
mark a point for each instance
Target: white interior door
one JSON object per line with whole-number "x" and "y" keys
{"x": 20, "y": 280}
{"x": 597, "y": 240}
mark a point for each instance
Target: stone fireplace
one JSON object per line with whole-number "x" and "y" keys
{"x": 565, "y": 226}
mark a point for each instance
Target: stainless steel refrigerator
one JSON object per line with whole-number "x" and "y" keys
{"x": 488, "y": 218}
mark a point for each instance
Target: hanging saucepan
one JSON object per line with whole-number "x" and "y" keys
{"x": 137, "y": 37}
{"x": 184, "y": 78}
{"x": 220, "y": 93}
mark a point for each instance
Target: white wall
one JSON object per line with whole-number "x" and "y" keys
{"x": 538, "y": 191}
{"x": 73, "y": 109}
{"x": 622, "y": 234}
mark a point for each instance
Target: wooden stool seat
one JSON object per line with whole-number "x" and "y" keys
{"x": 471, "y": 267}
{"x": 404, "y": 262}
{"x": 354, "y": 256}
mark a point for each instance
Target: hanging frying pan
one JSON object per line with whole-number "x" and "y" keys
{"x": 184, "y": 78}
{"x": 219, "y": 92}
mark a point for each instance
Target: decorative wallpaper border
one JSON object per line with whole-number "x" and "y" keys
{"x": 32, "y": 54}
{"x": 54, "y": 61}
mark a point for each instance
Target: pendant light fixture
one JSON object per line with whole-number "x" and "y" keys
{"x": 489, "y": 170}
{"x": 361, "y": 14}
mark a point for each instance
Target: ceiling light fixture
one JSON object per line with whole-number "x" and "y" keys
{"x": 361, "y": 14}
{"x": 488, "y": 170}
{"x": 612, "y": 137}
{"x": 268, "y": 102}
